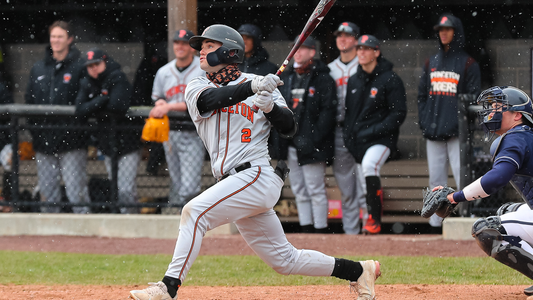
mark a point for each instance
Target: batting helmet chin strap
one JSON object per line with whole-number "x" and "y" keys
{"x": 489, "y": 237}
{"x": 222, "y": 55}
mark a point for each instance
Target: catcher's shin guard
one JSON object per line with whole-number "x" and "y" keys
{"x": 489, "y": 237}
{"x": 374, "y": 198}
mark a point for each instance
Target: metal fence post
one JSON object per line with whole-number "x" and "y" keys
{"x": 465, "y": 142}
{"x": 114, "y": 166}
{"x": 15, "y": 165}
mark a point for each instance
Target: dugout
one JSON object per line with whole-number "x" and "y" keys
{"x": 499, "y": 36}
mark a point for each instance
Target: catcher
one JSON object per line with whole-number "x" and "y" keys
{"x": 507, "y": 236}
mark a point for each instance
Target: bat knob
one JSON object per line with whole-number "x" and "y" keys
{"x": 255, "y": 108}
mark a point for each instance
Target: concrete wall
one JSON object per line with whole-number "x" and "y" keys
{"x": 510, "y": 64}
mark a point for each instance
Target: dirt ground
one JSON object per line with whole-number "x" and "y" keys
{"x": 334, "y": 244}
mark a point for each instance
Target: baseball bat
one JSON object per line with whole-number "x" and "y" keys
{"x": 316, "y": 17}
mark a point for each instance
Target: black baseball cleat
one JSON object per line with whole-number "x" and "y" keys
{"x": 529, "y": 291}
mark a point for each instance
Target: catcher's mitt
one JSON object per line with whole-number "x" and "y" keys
{"x": 436, "y": 202}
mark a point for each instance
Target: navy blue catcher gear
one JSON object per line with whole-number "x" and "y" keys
{"x": 490, "y": 237}
{"x": 232, "y": 49}
{"x": 506, "y": 98}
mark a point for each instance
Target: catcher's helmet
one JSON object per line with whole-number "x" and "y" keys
{"x": 232, "y": 49}
{"x": 507, "y": 98}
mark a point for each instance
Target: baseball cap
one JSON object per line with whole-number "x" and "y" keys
{"x": 183, "y": 35}
{"x": 368, "y": 41}
{"x": 444, "y": 21}
{"x": 309, "y": 42}
{"x": 95, "y": 55}
{"x": 349, "y": 28}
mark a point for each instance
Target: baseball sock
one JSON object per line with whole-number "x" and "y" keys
{"x": 347, "y": 269}
{"x": 172, "y": 284}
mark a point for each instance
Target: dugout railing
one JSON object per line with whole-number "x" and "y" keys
{"x": 403, "y": 180}
{"x": 23, "y": 183}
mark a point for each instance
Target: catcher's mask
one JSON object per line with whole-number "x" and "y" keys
{"x": 497, "y": 100}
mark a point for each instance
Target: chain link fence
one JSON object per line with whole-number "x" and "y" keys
{"x": 478, "y": 162}
{"x": 66, "y": 164}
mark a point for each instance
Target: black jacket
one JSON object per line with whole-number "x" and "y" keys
{"x": 375, "y": 109}
{"x": 258, "y": 63}
{"x": 315, "y": 117}
{"x": 56, "y": 83}
{"x": 107, "y": 97}
{"x": 444, "y": 77}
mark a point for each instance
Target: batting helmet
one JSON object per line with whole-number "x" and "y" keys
{"x": 507, "y": 98}
{"x": 232, "y": 49}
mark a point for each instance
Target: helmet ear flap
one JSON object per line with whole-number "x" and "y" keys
{"x": 222, "y": 55}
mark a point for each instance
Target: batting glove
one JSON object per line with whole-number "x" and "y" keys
{"x": 264, "y": 101}
{"x": 255, "y": 83}
{"x": 270, "y": 83}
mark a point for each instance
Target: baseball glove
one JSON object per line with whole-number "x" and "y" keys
{"x": 156, "y": 130}
{"x": 436, "y": 202}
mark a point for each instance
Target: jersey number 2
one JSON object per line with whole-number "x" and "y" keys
{"x": 246, "y": 133}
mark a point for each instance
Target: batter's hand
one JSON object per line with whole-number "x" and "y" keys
{"x": 264, "y": 101}
{"x": 270, "y": 83}
{"x": 255, "y": 83}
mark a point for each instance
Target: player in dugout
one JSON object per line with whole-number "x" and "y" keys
{"x": 248, "y": 187}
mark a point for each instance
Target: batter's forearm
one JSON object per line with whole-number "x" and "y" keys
{"x": 225, "y": 96}
{"x": 283, "y": 120}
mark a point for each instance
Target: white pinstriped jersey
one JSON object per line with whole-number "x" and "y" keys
{"x": 169, "y": 83}
{"x": 232, "y": 135}
{"x": 341, "y": 72}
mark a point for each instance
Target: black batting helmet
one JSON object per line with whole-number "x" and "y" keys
{"x": 232, "y": 49}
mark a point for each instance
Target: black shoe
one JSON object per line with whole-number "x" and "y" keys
{"x": 322, "y": 230}
{"x": 529, "y": 291}
{"x": 307, "y": 229}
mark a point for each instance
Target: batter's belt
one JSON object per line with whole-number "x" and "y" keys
{"x": 281, "y": 170}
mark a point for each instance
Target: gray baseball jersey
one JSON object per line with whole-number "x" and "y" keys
{"x": 232, "y": 135}
{"x": 348, "y": 174}
{"x": 340, "y": 72}
{"x": 184, "y": 151}
{"x": 170, "y": 84}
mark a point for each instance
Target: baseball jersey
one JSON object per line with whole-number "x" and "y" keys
{"x": 340, "y": 72}
{"x": 516, "y": 147}
{"x": 232, "y": 135}
{"x": 170, "y": 84}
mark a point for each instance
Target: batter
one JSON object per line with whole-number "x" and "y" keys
{"x": 248, "y": 187}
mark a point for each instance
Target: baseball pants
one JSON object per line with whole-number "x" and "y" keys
{"x": 127, "y": 174}
{"x": 374, "y": 159}
{"x": 246, "y": 199}
{"x": 350, "y": 181}
{"x": 519, "y": 224}
{"x": 184, "y": 152}
{"x": 72, "y": 167}
{"x": 309, "y": 188}
{"x": 439, "y": 154}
